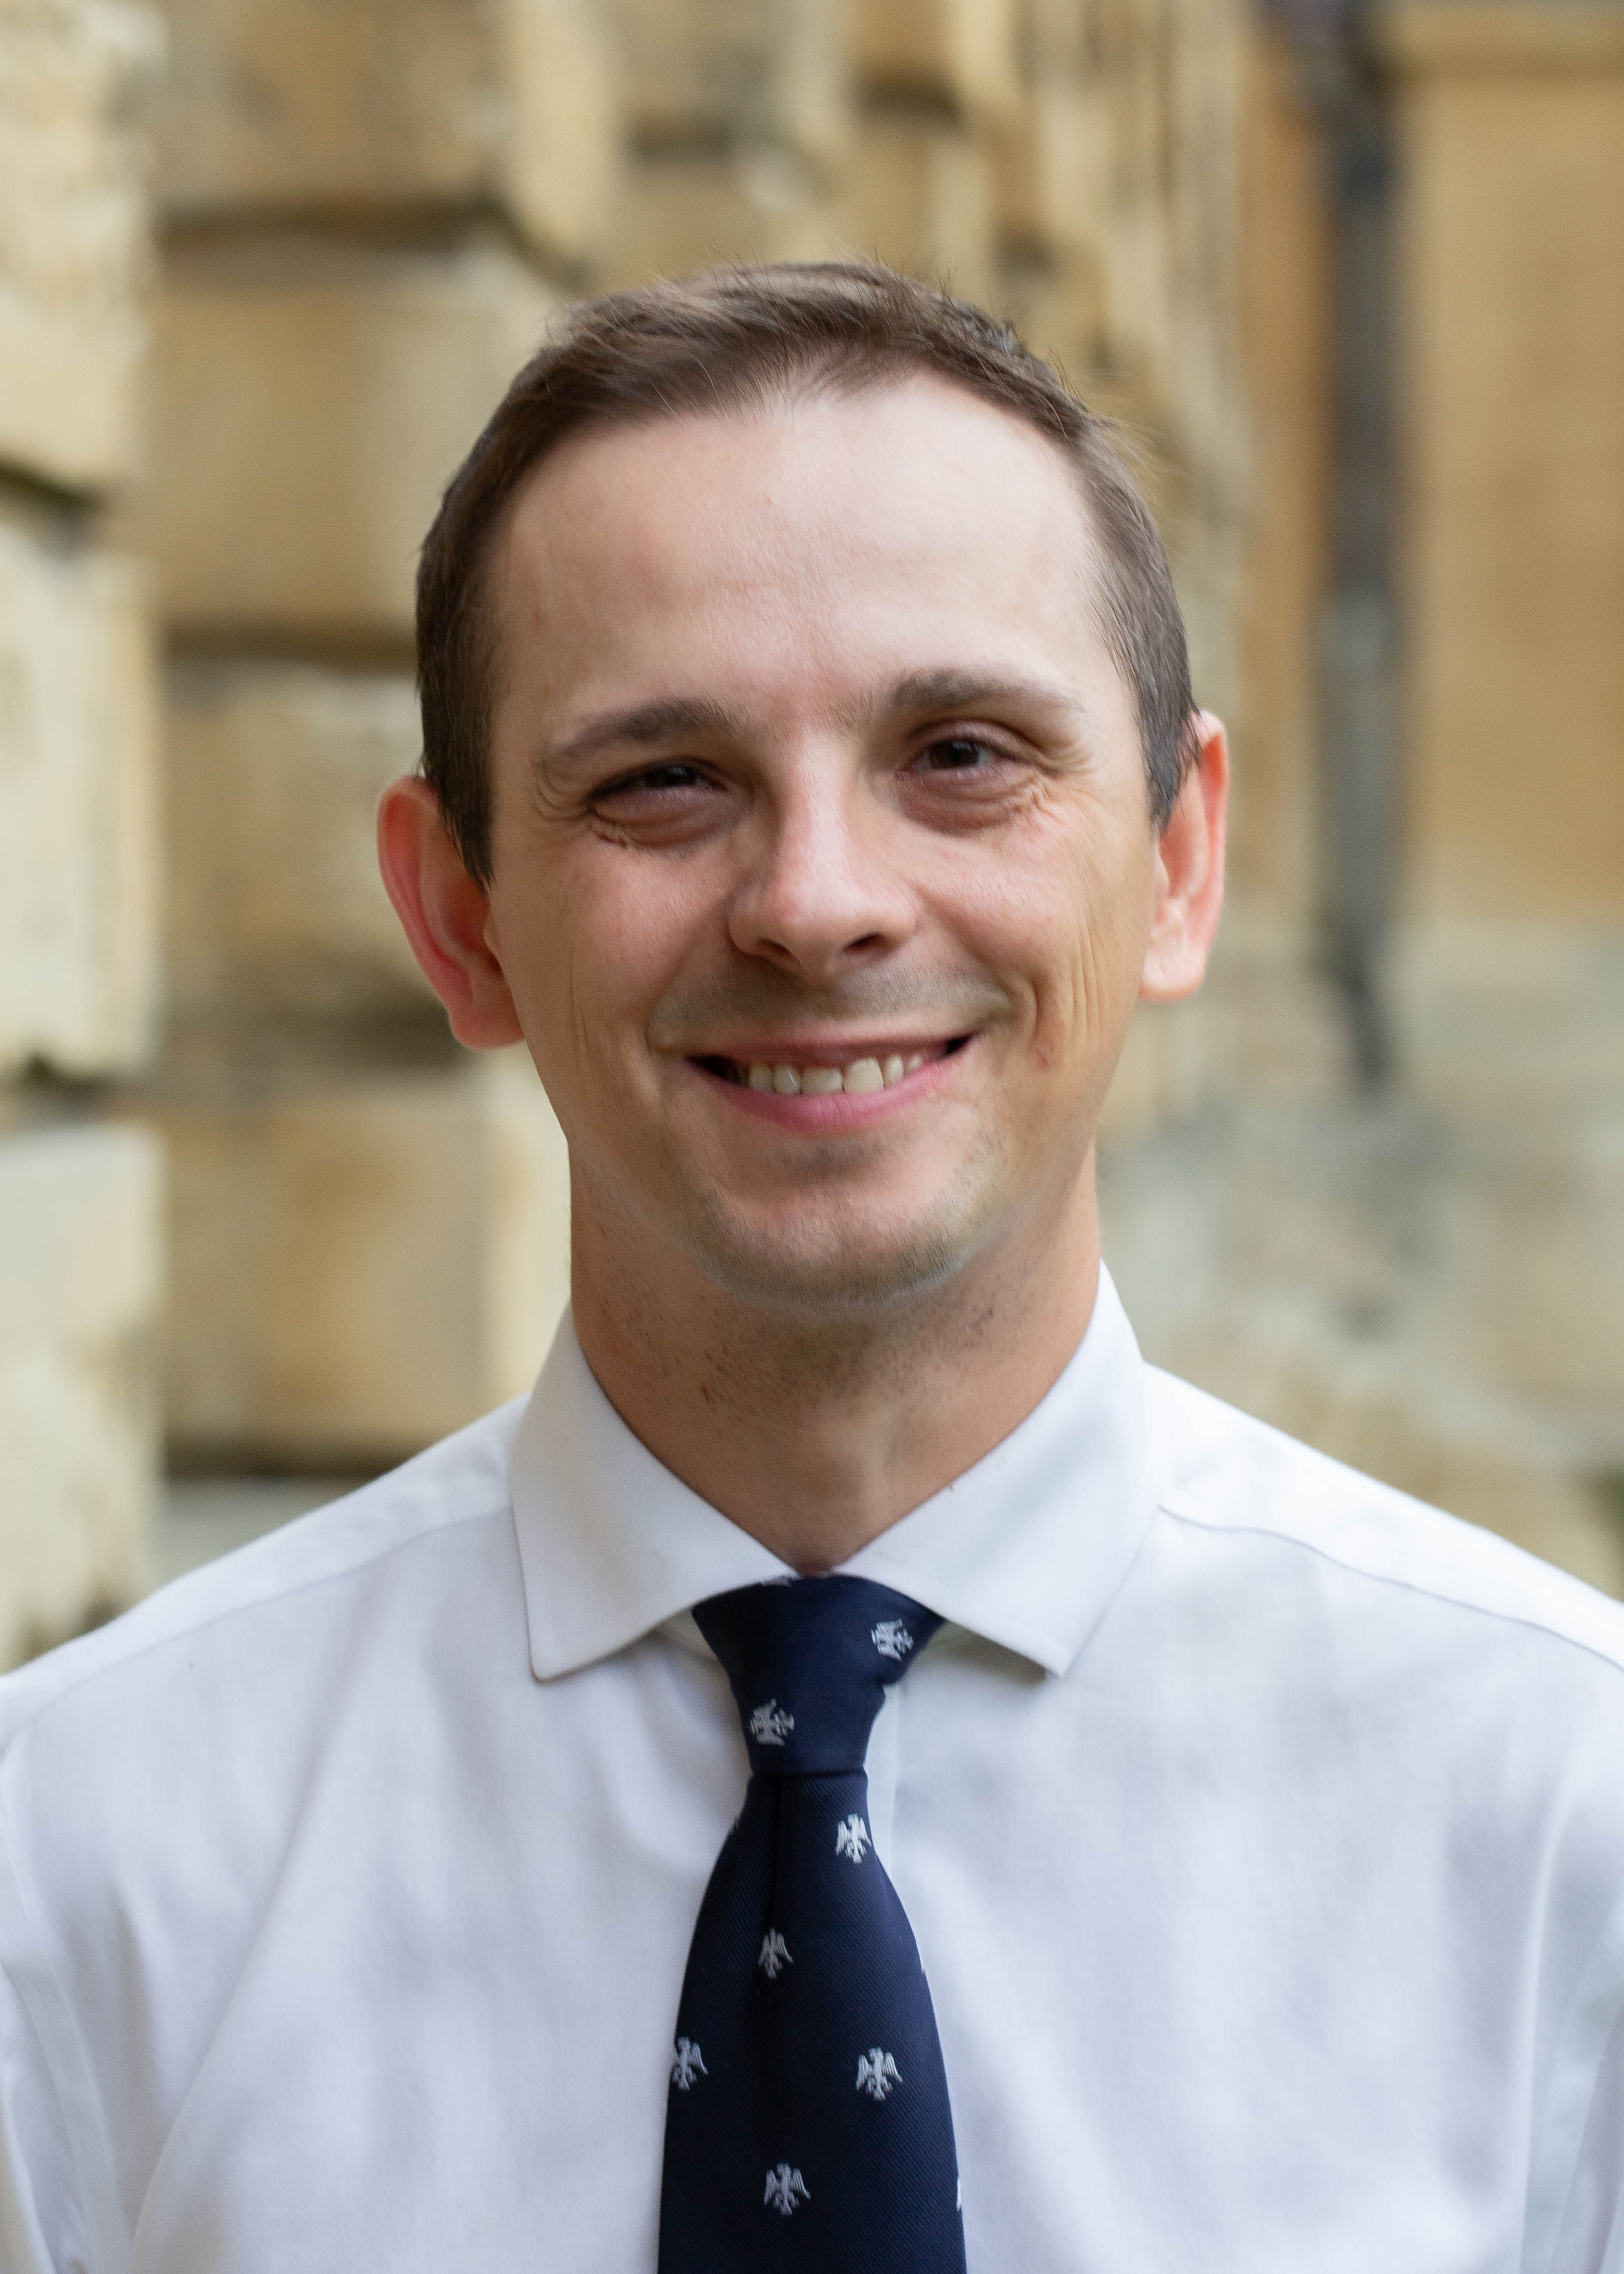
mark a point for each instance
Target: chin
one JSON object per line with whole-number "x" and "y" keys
{"x": 829, "y": 1273}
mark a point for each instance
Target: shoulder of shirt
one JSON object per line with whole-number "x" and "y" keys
{"x": 1227, "y": 1471}
{"x": 460, "y": 1480}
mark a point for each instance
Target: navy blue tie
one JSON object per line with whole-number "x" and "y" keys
{"x": 808, "y": 2128}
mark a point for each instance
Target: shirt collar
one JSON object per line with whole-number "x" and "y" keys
{"x": 1026, "y": 1548}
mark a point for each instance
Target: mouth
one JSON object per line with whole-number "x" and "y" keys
{"x": 824, "y": 1075}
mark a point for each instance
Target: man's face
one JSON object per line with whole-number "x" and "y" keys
{"x": 821, "y": 866}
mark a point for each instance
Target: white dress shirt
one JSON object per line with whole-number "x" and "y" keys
{"x": 1262, "y": 1833}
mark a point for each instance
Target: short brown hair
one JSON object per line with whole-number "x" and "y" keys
{"x": 736, "y": 336}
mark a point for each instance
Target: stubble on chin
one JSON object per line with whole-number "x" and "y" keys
{"x": 835, "y": 1266}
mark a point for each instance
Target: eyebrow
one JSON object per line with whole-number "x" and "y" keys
{"x": 669, "y": 719}
{"x": 643, "y": 726}
{"x": 953, "y": 689}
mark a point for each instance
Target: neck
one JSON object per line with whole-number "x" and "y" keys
{"x": 815, "y": 1436}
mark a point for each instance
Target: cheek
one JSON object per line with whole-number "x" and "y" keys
{"x": 1078, "y": 937}
{"x": 590, "y": 945}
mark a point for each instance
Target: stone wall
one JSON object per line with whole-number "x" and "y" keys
{"x": 1428, "y": 1278}
{"x": 81, "y": 1190}
{"x": 1509, "y": 957}
{"x": 367, "y": 211}
{"x": 370, "y": 209}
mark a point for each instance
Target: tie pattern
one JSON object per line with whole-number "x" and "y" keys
{"x": 808, "y": 2124}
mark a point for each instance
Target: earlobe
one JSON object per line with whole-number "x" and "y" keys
{"x": 444, "y": 914}
{"x": 1190, "y": 865}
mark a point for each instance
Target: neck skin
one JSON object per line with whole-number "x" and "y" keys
{"x": 815, "y": 1436}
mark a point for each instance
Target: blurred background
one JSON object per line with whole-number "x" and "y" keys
{"x": 1353, "y": 280}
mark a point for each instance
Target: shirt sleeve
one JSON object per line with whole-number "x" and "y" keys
{"x": 40, "y": 2229}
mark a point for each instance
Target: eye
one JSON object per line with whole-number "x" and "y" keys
{"x": 653, "y": 779}
{"x": 673, "y": 801}
{"x": 961, "y": 777}
{"x": 957, "y": 753}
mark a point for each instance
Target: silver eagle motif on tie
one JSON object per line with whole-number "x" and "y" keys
{"x": 786, "y": 2190}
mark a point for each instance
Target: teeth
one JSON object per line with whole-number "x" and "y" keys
{"x": 860, "y": 1079}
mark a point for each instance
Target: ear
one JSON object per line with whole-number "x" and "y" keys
{"x": 447, "y": 916}
{"x": 1190, "y": 870}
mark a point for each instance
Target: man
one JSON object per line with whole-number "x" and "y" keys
{"x": 1156, "y": 1848}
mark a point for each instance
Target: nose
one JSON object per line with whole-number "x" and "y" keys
{"x": 822, "y": 891}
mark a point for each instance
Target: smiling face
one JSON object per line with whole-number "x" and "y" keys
{"x": 821, "y": 865}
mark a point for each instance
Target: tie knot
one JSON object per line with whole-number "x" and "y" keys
{"x": 809, "y": 1661}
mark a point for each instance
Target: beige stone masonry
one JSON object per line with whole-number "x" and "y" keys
{"x": 80, "y": 1284}
{"x": 1530, "y": 1289}
{"x": 311, "y": 404}
{"x": 1054, "y": 38}
{"x": 921, "y": 197}
{"x": 338, "y": 1241}
{"x": 719, "y": 71}
{"x": 359, "y": 105}
{"x": 78, "y": 807}
{"x": 1525, "y": 36}
{"x": 1051, "y": 166}
{"x": 1286, "y": 318}
{"x": 360, "y": 1267}
{"x": 272, "y": 781}
{"x": 1266, "y": 1028}
{"x": 959, "y": 52}
{"x": 72, "y": 238}
{"x": 1513, "y": 1035}
{"x": 1354, "y": 1276}
{"x": 680, "y": 212}
{"x": 1495, "y": 1017}
{"x": 1513, "y": 328}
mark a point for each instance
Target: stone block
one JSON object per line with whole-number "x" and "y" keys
{"x": 958, "y": 52}
{"x": 1055, "y": 304}
{"x": 292, "y": 105}
{"x": 1203, "y": 134}
{"x": 1142, "y": 313}
{"x": 1053, "y": 39}
{"x": 359, "y": 1267}
{"x": 678, "y": 213}
{"x": 1267, "y": 1030}
{"x": 1527, "y": 36}
{"x": 311, "y": 406}
{"x": 80, "y": 1285}
{"x": 920, "y": 198}
{"x": 1051, "y": 169}
{"x": 1065, "y": 306}
{"x": 1511, "y": 146}
{"x": 707, "y": 71}
{"x": 1495, "y": 1018}
{"x": 1528, "y": 1299}
{"x": 1286, "y": 316}
{"x": 275, "y": 901}
{"x": 1442, "y": 1312}
{"x": 73, "y": 238}
{"x": 78, "y": 913}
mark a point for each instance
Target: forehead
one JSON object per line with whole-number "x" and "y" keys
{"x": 829, "y": 537}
